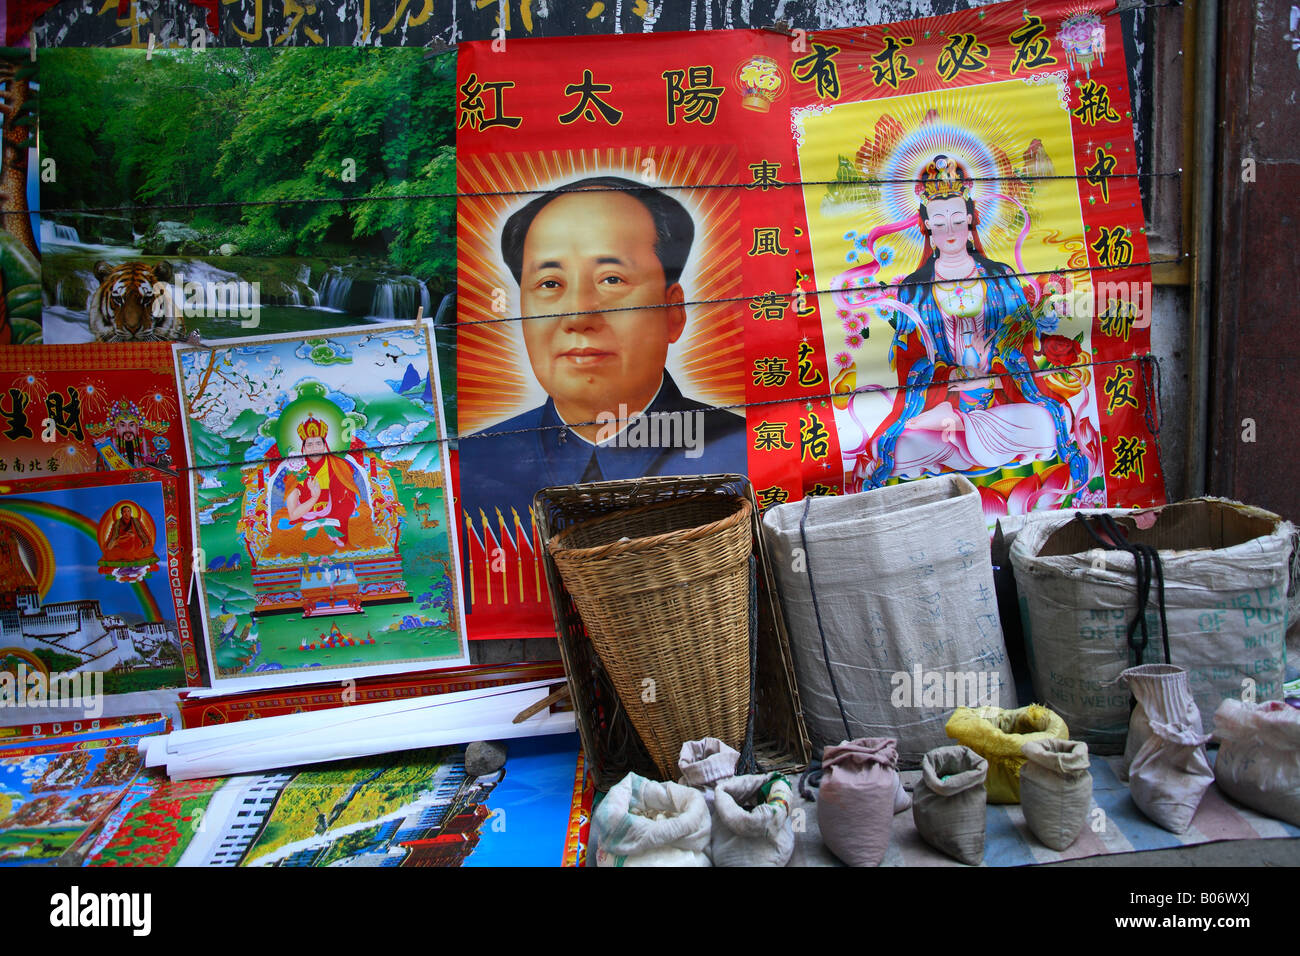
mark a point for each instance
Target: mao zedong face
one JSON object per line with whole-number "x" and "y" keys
{"x": 584, "y": 254}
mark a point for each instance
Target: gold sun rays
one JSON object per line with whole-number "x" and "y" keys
{"x": 494, "y": 381}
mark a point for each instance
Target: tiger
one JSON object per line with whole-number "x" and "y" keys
{"x": 134, "y": 304}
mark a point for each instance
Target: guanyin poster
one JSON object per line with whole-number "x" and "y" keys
{"x": 321, "y": 505}
{"x": 978, "y": 248}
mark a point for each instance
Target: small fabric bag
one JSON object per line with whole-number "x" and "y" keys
{"x": 751, "y": 821}
{"x": 997, "y": 735}
{"x": 647, "y": 823}
{"x": 1055, "y": 790}
{"x": 1164, "y": 755}
{"x": 1259, "y": 760}
{"x": 948, "y": 805}
{"x": 856, "y": 799}
{"x": 705, "y": 763}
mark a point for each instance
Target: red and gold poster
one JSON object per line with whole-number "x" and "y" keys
{"x": 623, "y": 259}
{"x": 66, "y": 409}
{"x": 829, "y": 261}
{"x": 978, "y": 250}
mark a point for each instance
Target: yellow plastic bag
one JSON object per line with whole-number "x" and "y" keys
{"x": 997, "y": 735}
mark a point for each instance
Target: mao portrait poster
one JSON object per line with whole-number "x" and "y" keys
{"x": 622, "y": 257}
{"x": 977, "y": 242}
{"x": 321, "y": 512}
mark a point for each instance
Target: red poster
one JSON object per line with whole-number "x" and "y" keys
{"x": 617, "y": 194}
{"x": 829, "y": 261}
{"x": 978, "y": 246}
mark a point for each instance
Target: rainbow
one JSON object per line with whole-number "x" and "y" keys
{"x": 79, "y": 522}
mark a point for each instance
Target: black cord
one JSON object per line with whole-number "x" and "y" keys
{"x": 812, "y": 590}
{"x": 1146, "y": 564}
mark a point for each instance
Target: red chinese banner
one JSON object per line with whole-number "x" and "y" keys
{"x": 977, "y": 241}
{"x": 620, "y": 196}
{"x": 829, "y": 261}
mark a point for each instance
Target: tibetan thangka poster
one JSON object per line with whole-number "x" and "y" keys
{"x": 978, "y": 250}
{"x": 321, "y": 515}
{"x": 53, "y": 794}
{"x": 91, "y": 583}
{"x": 243, "y": 191}
{"x": 624, "y": 257}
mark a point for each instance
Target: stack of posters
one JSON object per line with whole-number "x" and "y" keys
{"x": 56, "y": 790}
{"x": 418, "y": 808}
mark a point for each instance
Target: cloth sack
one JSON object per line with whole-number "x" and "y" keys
{"x": 705, "y": 763}
{"x": 1259, "y": 756}
{"x": 900, "y": 580}
{"x": 856, "y": 800}
{"x": 1228, "y": 593}
{"x": 647, "y": 823}
{"x": 1164, "y": 756}
{"x": 999, "y": 735}
{"x": 948, "y": 805}
{"x": 751, "y": 821}
{"x": 1055, "y": 790}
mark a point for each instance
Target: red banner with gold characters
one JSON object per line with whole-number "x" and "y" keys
{"x": 977, "y": 243}
{"x": 828, "y": 261}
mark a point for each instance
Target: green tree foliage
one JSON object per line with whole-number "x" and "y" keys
{"x": 329, "y": 126}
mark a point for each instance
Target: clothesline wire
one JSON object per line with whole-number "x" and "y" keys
{"x": 1142, "y": 360}
{"x": 795, "y": 293}
{"x": 496, "y": 194}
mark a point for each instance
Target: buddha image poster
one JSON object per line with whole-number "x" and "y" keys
{"x": 978, "y": 249}
{"x": 90, "y": 575}
{"x": 322, "y": 514}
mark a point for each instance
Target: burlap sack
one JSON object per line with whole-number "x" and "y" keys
{"x": 998, "y": 736}
{"x": 751, "y": 821}
{"x": 904, "y": 591}
{"x": 1228, "y": 593}
{"x": 1164, "y": 756}
{"x": 948, "y": 804}
{"x": 1055, "y": 790}
{"x": 1259, "y": 760}
{"x": 647, "y": 823}
{"x": 856, "y": 799}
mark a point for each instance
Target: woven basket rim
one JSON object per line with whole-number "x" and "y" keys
{"x": 741, "y": 511}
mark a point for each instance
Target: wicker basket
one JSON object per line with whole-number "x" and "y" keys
{"x": 664, "y": 592}
{"x": 611, "y": 745}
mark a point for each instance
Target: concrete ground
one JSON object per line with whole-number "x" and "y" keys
{"x": 1280, "y": 852}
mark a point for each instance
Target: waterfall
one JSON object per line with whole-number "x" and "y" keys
{"x": 55, "y": 232}
{"x": 334, "y": 290}
{"x": 304, "y": 283}
{"x": 399, "y": 297}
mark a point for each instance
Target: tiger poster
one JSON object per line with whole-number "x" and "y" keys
{"x": 248, "y": 191}
{"x": 321, "y": 507}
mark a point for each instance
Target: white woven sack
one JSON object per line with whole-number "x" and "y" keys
{"x": 904, "y": 589}
{"x": 1226, "y": 610}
